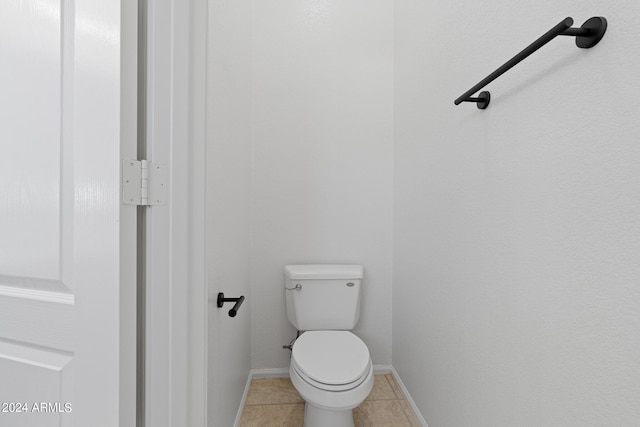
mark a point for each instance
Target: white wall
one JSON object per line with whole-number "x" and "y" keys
{"x": 322, "y": 159}
{"x": 517, "y": 229}
{"x": 228, "y": 204}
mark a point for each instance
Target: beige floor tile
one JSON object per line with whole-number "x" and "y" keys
{"x": 380, "y": 413}
{"x": 394, "y": 387}
{"x": 275, "y": 402}
{"x": 289, "y": 415}
{"x": 381, "y": 389}
{"x": 271, "y": 391}
{"x": 410, "y": 414}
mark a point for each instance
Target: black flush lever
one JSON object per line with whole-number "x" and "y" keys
{"x": 236, "y": 307}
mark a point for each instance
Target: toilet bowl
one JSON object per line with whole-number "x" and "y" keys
{"x": 332, "y": 371}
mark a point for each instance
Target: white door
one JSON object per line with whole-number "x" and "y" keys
{"x": 67, "y": 244}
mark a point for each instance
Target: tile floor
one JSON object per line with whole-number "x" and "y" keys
{"x": 275, "y": 402}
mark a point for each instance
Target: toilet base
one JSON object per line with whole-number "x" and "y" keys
{"x": 318, "y": 417}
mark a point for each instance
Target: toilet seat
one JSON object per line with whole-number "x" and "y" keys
{"x": 324, "y": 386}
{"x": 331, "y": 360}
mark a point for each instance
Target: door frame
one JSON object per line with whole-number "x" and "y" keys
{"x": 175, "y": 353}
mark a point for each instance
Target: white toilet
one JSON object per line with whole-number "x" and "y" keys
{"x": 330, "y": 366}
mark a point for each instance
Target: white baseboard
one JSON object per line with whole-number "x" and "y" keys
{"x": 244, "y": 399}
{"x": 269, "y": 373}
{"x": 284, "y": 373}
{"x": 408, "y": 398}
{"x": 382, "y": 369}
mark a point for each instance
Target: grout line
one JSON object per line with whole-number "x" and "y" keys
{"x": 394, "y": 386}
{"x": 406, "y": 408}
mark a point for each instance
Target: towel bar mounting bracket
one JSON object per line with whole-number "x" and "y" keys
{"x": 482, "y": 100}
{"x": 596, "y": 27}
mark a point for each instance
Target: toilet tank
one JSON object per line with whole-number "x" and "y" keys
{"x": 323, "y": 296}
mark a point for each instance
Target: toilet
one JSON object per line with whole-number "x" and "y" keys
{"x": 330, "y": 366}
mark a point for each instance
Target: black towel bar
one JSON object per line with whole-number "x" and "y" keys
{"x": 588, "y": 35}
{"x": 236, "y": 307}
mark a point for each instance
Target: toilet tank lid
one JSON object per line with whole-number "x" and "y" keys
{"x": 323, "y": 271}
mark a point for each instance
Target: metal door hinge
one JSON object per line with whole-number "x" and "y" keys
{"x": 144, "y": 183}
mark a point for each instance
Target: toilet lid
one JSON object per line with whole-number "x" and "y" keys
{"x": 331, "y": 357}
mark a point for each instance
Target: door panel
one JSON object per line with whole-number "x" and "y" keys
{"x": 63, "y": 278}
{"x": 29, "y": 365}
{"x": 31, "y": 139}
